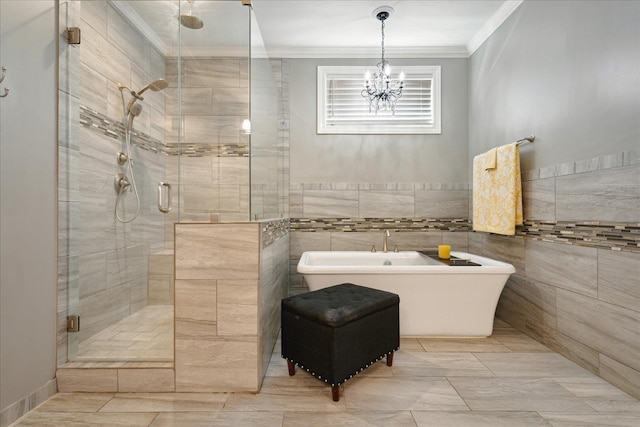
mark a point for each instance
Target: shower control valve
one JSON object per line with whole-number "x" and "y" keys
{"x": 122, "y": 158}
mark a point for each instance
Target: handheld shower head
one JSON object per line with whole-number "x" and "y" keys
{"x": 156, "y": 85}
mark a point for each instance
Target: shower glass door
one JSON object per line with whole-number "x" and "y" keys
{"x": 152, "y": 106}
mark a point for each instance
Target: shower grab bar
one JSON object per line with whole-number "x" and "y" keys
{"x": 161, "y": 197}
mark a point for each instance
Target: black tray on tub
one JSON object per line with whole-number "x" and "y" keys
{"x": 453, "y": 261}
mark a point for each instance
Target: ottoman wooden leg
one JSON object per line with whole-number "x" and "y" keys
{"x": 335, "y": 392}
{"x": 390, "y": 359}
{"x": 292, "y": 367}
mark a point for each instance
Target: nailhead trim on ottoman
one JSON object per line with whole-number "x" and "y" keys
{"x": 336, "y": 332}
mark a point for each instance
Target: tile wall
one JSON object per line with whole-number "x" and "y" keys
{"x": 577, "y": 285}
{"x": 103, "y": 264}
{"x": 577, "y": 257}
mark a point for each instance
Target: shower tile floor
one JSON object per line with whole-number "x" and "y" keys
{"x": 506, "y": 380}
{"x": 146, "y": 335}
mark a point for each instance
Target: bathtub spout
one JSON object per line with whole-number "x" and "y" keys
{"x": 384, "y": 240}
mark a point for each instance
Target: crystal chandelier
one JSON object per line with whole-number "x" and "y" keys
{"x": 382, "y": 92}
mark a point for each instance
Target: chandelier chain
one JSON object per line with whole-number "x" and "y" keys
{"x": 382, "y": 40}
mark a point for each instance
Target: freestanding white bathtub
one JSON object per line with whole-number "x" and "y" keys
{"x": 436, "y": 299}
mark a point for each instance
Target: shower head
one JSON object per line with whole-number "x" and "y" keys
{"x": 189, "y": 20}
{"x": 156, "y": 85}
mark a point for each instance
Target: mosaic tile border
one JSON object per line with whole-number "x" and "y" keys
{"x": 615, "y": 236}
{"x": 349, "y": 225}
{"x": 274, "y": 229}
{"x": 380, "y": 186}
{"x": 208, "y": 150}
{"x": 99, "y": 123}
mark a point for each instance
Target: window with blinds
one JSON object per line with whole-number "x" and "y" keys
{"x": 343, "y": 110}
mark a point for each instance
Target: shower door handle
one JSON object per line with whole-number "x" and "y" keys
{"x": 164, "y": 196}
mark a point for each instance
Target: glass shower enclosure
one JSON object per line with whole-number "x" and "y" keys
{"x": 168, "y": 113}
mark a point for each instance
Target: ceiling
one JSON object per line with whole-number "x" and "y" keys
{"x": 325, "y": 28}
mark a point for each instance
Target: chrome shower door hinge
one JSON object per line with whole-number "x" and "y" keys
{"x": 73, "y": 323}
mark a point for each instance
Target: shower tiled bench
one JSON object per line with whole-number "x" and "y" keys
{"x": 336, "y": 332}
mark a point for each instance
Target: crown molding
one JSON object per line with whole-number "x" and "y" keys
{"x": 507, "y": 8}
{"x": 371, "y": 52}
{"x": 208, "y": 51}
{"x": 132, "y": 16}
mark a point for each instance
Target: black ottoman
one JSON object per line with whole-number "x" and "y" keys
{"x": 336, "y": 332}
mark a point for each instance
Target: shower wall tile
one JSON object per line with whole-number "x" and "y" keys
{"x": 63, "y": 349}
{"x": 613, "y": 331}
{"x": 100, "y": 55}
{"x": 229, "y": 198}
{"x": 619, "y": 278}
{"x": 98, "y": 154}
{"x": 124, "y": 36}
{"x": 69, "y": 16}
{"x": 160, "y": 290}
{"x": 94, "y": 13}
{"x": 212, "y": 129}
{"x": 221, "y": 73}
{"x": 67, "y": 230}
{"x": 101, "y": 310}
{"x": 92, "y": 273}
{"x": 68, "y": 175}
{"x": 539, "y": 199}
{"x": 232, "y": 170}
{"x": 441, "y": 204}
{"x": 607, "y": 195}
{"x": 234, "y": 255}
{"x": 68, "y": 121}
{"x": 568, "y": 267}
{"x": 318, "y": 203}
{"x": 68, "y": 278}
{"x": 196, "y": 170}
{"x": 196, "y": 101}
{"x": 229, "y": 101}
{"x": 380, "y": 204}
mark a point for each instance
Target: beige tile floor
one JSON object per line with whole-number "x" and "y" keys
{"x": 505, "y": 380}
{"x": 146, "y": 335}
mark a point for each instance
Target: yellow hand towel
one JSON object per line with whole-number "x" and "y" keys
{"x": 497, "y": 193}
{"x": 490, "y": 159}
